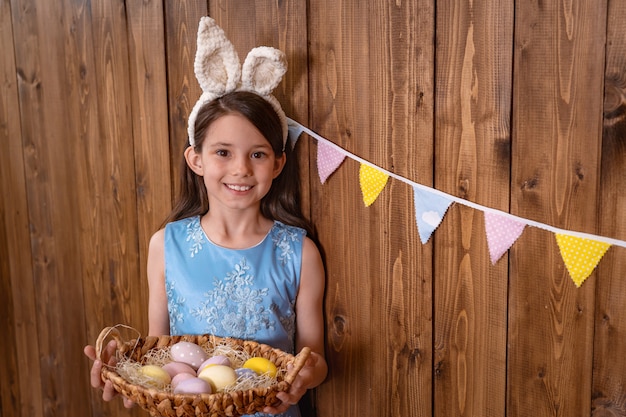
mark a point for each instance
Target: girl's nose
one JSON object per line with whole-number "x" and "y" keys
{"x": 241, "y": 165}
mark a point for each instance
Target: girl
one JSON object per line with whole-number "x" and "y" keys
{"x": 234, "y": 259}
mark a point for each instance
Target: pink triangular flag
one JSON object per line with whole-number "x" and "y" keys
{"x": 328, "y": 160}
{"x": 502, "y": 232}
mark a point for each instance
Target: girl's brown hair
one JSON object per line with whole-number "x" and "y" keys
{"x": 282, "y": 202}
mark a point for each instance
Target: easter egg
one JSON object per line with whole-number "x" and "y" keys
{"x": 175, "y": 368}
{"x": 156, "y": 376}
{"x": 219, "y": 376}
{"x": 215, "y": 360}
{"x": 178, "y": 378}
{"x": 189, "y": 353}
{"x": 261, "y": 366}
{"x": 193, "y": 385}
{"x": 244, "y": 373}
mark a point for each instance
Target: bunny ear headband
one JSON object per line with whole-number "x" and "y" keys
{"x": 219, "y": 72}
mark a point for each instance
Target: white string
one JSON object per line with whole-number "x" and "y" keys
{"x": 459, "y": 200}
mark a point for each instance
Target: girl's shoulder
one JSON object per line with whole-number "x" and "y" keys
{"x": 183, "y": 221}
{"x": 280, "y": 228}
{"x": 182, "y": 224}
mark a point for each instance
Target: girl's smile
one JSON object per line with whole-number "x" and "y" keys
{"x": 238, "y": 187}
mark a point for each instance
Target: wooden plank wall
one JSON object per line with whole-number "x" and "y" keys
{"x": 517, "y": 106}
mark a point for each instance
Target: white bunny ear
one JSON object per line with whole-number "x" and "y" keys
{"x": 217, "y": 64}
{"x": 219, "y": 72}
{"x": 263, "y": 70}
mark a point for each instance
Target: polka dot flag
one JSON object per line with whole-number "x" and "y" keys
{"x": 580, "y": 255}
{"x": 501, "y": 232}
{"x": 328, "y": 160}
{"x": 372, "y": 183}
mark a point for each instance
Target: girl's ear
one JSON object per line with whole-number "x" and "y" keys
{"x": 279, "y": 164}
{"x": 194, "y": 160}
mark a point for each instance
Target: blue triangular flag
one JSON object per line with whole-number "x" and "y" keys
{"x": 429, "y": 211}
{"x": 294, "y": 130}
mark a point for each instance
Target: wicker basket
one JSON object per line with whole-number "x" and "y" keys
{"x": 223, "y": 404}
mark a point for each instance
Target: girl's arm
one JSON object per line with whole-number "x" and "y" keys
{"x": 158, "y": 316}
{"x": 309, "y": 328}
{"x": 310, "y": 313}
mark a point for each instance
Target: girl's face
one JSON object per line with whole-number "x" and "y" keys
{"x": 237, "y": 163}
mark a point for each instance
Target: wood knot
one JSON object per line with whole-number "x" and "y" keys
{"x": 530, "y": 183}
{"x": 464, "y": 188}
{"x": 439, "y": 368}
{"x": 614, "y": 98}
{"x": 338, "y": 332}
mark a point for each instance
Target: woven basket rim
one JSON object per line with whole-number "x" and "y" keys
{"x": 227, "y": 404}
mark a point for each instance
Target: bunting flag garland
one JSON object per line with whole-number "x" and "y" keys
{"x": 581, "y": 252}
{"x": 581, "y": 256}
{"x": 429, "y": 211}
{"x": 372, "y": 183}
{"x": 328, "y": 160}
{"x": 294, "y": 130}
{"x": 501, "y": 232}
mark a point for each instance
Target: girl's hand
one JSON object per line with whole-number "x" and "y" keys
{"x": 304, "y": 380}
{"x": 108, "y": 356}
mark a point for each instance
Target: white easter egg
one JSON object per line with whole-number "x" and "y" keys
{"x": 219, "y": 376}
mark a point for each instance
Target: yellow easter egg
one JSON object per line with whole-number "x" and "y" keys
{"x": 261, "y": 366}
{"x": 156, "y": 376}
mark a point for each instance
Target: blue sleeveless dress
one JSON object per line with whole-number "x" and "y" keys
{"x": 243, "y": 293}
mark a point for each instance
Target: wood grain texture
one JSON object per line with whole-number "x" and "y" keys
{"x": 609, "y": 376}
{"x": 379, "y": 297}
{"x": 182, "y": 20}
{"x": 112, "y": 271}
{"x": 16, "y": 293}
{"x": 151, "y": 144}
{"x": 93, "y": 110}
{"x": 401, "y": 123}
{"x": 51, "y": 92}
{"x": 340, "y": 78}
{"x": 559, "y": 66}
{"x": 472, "y": 160}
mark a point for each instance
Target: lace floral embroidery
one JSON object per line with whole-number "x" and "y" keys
{"x": 195, "y": 236}
{"x": 233, "y": 306}
{"x": 174, "y": 305}
{"x": 282, "y": 239}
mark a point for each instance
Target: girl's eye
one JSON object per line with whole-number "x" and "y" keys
{"x": 257, "y": 155}
{"x": 221, "y": 152}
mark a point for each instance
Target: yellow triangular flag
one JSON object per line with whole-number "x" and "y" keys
{"x": 372, "y": 183}
{"x": 580, "y": 255}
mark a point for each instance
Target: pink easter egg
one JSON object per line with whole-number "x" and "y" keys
{"x": 215, "y": 360}
{"x": 193, "y": 385}
{"x": 189, "y": 353}
{"x": 178, "y": 378}
{"x": 175, "y": 368}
